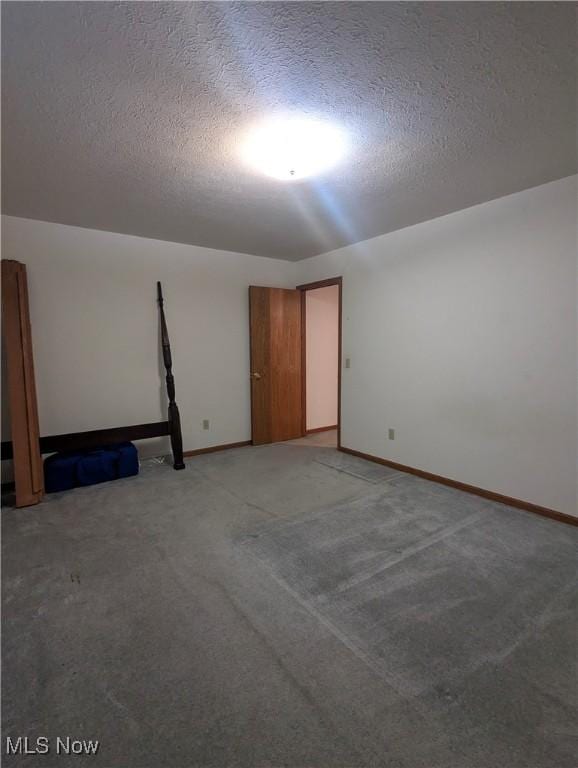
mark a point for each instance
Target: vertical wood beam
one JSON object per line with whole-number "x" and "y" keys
{"x": 174, "y": 416}
{"x": 17, "y": 338}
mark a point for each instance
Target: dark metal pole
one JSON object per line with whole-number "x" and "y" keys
{"x": 174, "y": 417}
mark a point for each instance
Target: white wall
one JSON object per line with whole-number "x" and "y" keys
{"x": 461, "y": 333}
{"x": 462, "y": 336}
{"x": 95, "y": 329}
{"x": 321, "y": 347}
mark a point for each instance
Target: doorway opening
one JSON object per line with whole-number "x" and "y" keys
{"x": 321, "y": 360}
{"x": 295, "y": 364}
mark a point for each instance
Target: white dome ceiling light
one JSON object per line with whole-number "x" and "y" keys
{"x": 293, "y": 148}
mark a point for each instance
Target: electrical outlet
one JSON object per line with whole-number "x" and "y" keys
{"x": 391, "y": 434}
{"x": 205, "y": 424}
{"x": 348, "y": 362}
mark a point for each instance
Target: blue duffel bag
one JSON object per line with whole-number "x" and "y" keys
{"x": 63, "y": 471}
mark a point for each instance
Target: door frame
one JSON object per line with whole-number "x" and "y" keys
{"x": 311, "y": 287}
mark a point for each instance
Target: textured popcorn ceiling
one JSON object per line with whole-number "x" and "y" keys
{"x": 127, "y": 116}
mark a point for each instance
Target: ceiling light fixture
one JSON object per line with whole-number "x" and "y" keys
{"x": 293, "y": 148}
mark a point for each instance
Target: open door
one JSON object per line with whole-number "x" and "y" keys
{"x": 275, "y": 334}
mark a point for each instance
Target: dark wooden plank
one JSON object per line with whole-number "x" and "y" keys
{"x": 76, "y": 441}
{"x": 84, "y": 441}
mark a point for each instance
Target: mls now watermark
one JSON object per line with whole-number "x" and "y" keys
{"x": 42, "y": 745}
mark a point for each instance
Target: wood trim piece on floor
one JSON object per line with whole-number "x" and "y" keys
{"x": 215, "y": 448}
{"x": 527, "y": 506}
{"x": 320, "y": 429}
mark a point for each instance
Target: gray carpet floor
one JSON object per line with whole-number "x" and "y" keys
{"x": 293, "y": 606}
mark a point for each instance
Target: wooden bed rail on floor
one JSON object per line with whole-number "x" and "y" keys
{"x": 97, "y": 438}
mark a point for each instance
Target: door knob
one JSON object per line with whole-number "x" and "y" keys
{"x": 255, "y": 375}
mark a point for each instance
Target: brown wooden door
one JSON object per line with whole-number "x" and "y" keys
{"x": 275, "y": 331}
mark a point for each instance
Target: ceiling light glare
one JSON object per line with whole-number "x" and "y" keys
{"x": 293, "y": 148}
